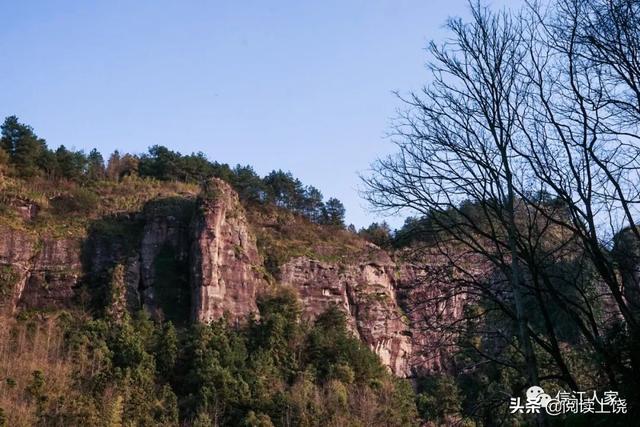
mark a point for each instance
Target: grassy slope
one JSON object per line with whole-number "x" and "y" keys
{"x": 66, "y": 209}
{"x": 282, "y": 235}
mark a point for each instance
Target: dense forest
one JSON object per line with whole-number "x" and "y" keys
{"x": 98, "y": 365}
{"x": 130, "y": 370}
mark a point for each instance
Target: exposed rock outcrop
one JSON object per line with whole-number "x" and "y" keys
{"x": 37, "y": 272}
{"x": 365, "y": 290}
{"x": 17, "y": 250}
{"x": 54, "y": 273}
{"x": 226, "y": 269}
{"x": 423, "y": 292}
{"x": 184, "y": 260}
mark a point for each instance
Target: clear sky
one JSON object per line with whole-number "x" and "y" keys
{"x": 304, "y": 86}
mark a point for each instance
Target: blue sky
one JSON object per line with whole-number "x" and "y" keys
{"x": 304, "y": 86}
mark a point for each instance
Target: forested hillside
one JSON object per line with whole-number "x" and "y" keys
{"x": 162, "y": 288}
{"x": 88, "y": 357}
{"x": 62, "y": 369}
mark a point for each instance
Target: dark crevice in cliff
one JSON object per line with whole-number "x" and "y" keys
{"x": 354, "y": 309}
{"x": 171, "y": 287}
{"x": 110, "y": 241}
{"x": 153, "y": 247}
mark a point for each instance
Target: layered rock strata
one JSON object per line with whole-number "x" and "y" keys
{"x": 197, "y": 260}
{"x": 226, "y": 272}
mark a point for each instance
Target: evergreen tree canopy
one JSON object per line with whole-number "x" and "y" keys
{"x": 23, "y": 146}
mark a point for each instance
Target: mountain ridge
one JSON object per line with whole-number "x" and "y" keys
{"x": 200, "y": 255}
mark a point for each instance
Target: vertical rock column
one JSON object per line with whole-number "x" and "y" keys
{"x": 225, "y": 264}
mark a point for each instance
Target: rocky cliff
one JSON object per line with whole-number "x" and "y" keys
{"x": 366, "y": 291}
{"x": 198, "y": 260}
{"x": 37, "y": 272}
{"x": 225, "y": 265}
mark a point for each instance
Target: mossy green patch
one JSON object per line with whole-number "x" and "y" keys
{"x": 8, "y": 279}
{"x": 171, "y": 286}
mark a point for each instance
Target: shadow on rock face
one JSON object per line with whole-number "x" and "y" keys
{"x": 153, "y": 248}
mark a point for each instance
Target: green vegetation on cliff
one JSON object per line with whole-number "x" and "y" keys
{"x": 105, "y": 366}
{"x": 122, "y": 370}
{"x": 66, "y": 183}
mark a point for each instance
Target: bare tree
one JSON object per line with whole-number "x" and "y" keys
{"x": 532, "y": 119}
{"x": 580, "y": 140}
{"x": 456, "y": 146}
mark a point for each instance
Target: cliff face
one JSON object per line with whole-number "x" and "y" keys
{"x": 16, "y": 254}
{"x": 225, "y": 264}
{"x": 423, "y": 290}
{"x": 365, "y": 290}
{"x": 162, "y": 262}
{"x": 394, "y": 307}
{"x": 37, "y": 272}
{"x": 197, "y": 260}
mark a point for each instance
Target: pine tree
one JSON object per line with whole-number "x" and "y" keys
{"x": 113, "y": 166}
{"x": 334, "y": 212}
{"x": 70, "y": 164}
{"x": 116, "y": 309}
{"x": 23, "y": 146}
{"x": 166, "y": 350}
{"x": 95, "y": 166}
{"x": 313, "y": 205}
{"x": 115, "y": 412}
